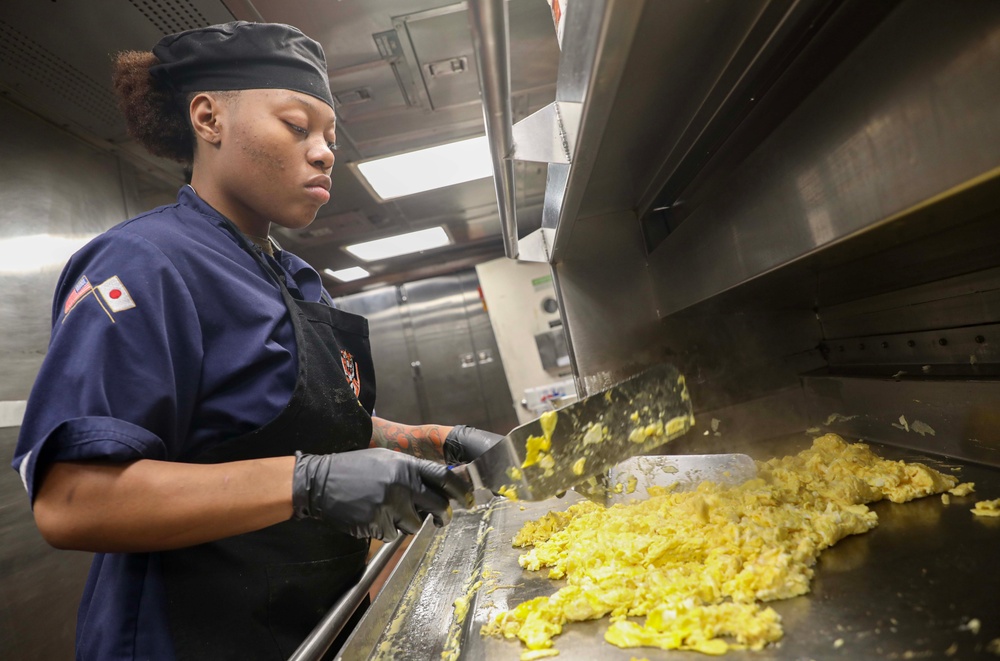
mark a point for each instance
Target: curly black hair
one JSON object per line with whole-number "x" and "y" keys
{"x": 154, "y": 115}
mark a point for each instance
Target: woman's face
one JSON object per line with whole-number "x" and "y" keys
{"x": 274, "y": 159}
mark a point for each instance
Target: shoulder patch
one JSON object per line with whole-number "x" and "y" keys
{"x": 115, "y": 295}
{"x": 80, "y": 290}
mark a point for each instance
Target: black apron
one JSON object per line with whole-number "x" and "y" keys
{"x": 258, "y": 595}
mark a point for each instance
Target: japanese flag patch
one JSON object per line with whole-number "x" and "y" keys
{"x": 115, "y": 295}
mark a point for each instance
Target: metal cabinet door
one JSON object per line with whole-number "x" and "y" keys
{"x": 448, "y": 375}
{"x": 492, "y": 378}
{"x": 436, "y": 359}
{"x": 461, "y": 376}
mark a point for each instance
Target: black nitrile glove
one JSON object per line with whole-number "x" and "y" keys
{"x": 463, "y": 444}
{"x": 374, "y": 492}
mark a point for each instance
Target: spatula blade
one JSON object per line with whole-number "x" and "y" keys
{"x": 588, "y": 437}
{"x": 630, "y": 479}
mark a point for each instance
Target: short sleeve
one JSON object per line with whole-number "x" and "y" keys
{"x": 121, "y": 376}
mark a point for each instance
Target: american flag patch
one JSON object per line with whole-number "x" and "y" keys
{"x": 80, "y": 289}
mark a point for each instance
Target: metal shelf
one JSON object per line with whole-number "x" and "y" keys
{"x": 646, "y": 92}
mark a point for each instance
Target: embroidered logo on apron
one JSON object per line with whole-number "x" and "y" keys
{"x": 351, "y": 371}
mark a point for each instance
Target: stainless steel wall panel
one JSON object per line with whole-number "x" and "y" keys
{"x": 965, "y": 300}
{"x": 951, "y": 237}
{"x": 663, "y": 84}
{"x": 742, "y": 426}
{"x": 57, "y": 193}
{"x": 734, "y": 356}
{"x": 40, "y": 588}
{"x": 729, "y": 351}
{"x": 952, "y": 417}
{"x": 910, "y": 114}
{"x": 606, "y": 302}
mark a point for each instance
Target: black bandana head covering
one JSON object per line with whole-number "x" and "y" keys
{"x": 242, "y": 56}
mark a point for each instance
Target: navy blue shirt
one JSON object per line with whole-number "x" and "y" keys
{"x": 167, "y": 337}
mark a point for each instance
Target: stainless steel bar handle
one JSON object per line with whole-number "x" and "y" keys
{"x": 491, "y": 40}
{"x": 319, "y": 640}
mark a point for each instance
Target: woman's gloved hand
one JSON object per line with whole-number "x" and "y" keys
{"x": 374, "y": 492}
{"x": 463, "y": 444}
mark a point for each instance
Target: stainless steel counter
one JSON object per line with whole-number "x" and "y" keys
{"x": 904, "y": 590}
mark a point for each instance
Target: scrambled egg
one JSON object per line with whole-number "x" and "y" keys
{"x": 963, "y": 489}
{"x": 987, "y": 508}
{"x": 597, "y": 433}
{"x": 537, "y": 447}
{"x": 696, "y": 565}
{"x": 508, "y": 492}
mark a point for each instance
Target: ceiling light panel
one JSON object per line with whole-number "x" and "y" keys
{"x": 347, "y": 275}
{"x": 401, "y": 244}
{"x": 428, "y": 169}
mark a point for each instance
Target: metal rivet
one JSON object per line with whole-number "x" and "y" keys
{"x": 911, "y": 343}
{"x": 943, "y": 341}
{"x": 980, "y": 339}
{"x": 885, "y": 345}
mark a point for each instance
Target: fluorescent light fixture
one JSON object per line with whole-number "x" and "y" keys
{"x": 36, "y": 252}
{"x": 347, "y": 275}
{"x": 401, "y": 244}
{"x": 427, "y": 169}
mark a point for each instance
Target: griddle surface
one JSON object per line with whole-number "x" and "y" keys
{"x": 904, "y": 590}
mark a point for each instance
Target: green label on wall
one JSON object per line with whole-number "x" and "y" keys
{"x": 540, "y": 283}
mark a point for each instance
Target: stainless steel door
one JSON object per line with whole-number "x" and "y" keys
{"x": 489, "y": 368}
{"x": 436, "y": 359}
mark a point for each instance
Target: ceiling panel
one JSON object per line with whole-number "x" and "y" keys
{"x": 55, "y": 57}
{"x": 365, "y": 90}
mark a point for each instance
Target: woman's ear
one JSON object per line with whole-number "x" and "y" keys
{"x": 206, "y": 112}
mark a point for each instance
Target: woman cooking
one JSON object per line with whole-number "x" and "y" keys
{"x": 202, "y": 420}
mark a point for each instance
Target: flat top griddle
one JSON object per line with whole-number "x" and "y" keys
{"x": 905, "y": 590}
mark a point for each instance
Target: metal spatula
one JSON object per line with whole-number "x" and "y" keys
{"x": 589, "y": 437}
{"x": 630, "y": 479}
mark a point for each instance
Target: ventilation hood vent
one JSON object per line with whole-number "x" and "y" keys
{"x": 170, "y": 16}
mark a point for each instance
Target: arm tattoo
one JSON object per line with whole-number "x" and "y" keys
{"x": 423, "y": 441}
